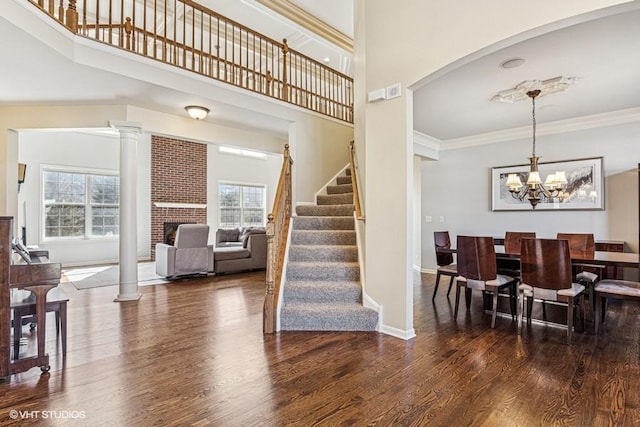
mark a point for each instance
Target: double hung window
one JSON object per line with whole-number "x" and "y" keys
{"x": 80, "y": 205}
{"x": 241, "y": 205}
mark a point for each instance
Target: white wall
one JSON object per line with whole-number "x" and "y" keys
{"x": 75, "y": 149}
{"x": 239, "y": 170}
{"x": 458, "y": 187}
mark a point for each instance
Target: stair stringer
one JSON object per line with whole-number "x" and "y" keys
{"x": 283, "y": 277}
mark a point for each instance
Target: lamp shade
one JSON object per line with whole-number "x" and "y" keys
{"x": 514, "y": 182}
{"x": 534, "y": 178}
{"x": 197, "y": 112}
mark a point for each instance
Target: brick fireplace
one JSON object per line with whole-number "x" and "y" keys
{"x": 178, "y": 185}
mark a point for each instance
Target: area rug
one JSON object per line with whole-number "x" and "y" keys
{"x": 109, "y": 275}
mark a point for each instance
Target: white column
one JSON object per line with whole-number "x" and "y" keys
{"x": 128, "y": 288}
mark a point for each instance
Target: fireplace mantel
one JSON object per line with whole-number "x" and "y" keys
{"x": 179, "y": 205}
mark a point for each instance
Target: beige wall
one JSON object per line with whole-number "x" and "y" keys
{"x": 404, "y": 43}
{"x": 320, "y": 149}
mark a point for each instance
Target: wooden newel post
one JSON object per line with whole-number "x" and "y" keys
{"x": 72, "y": 17}
{"x": 285, "y": 85}
{"x": 268, "y": 322}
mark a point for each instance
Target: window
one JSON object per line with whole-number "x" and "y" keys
{"x": 241, "y": 205}
{"x": 80, "y": 205}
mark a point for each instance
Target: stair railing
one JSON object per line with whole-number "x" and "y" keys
{"x": 185, "y": 34}
{"x": 277, "y": 232}
{"x": 354, "y": 182}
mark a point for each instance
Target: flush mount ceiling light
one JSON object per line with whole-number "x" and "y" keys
{"x": 520, "y": 92}
{"x": 197, "y": 112}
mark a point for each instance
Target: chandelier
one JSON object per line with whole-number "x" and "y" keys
{"x": 534, "y": 190}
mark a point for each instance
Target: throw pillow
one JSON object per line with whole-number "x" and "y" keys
{"x": 230, "y": 235}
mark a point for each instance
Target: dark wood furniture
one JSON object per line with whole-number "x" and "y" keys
{"x": 477, "y": 270}
{"x": 547, "y": 276}
{"x": 511, "y": 266}
{"x": 24, "y": 311}
{"x": 616, "y": 289}
{"x": 446, "y": 267}
{"x": 37, "y": 278}
{"x": 611, "y": 272}
{"x": 613, "y": 259}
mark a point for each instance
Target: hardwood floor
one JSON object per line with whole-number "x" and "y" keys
{"x": 193, "y": 353}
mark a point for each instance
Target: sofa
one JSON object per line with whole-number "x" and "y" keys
{"x": 240, "y": 249}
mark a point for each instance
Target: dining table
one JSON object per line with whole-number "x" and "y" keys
{"x": 600, "y": 258}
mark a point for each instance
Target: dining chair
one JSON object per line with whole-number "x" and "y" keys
{"x": 477, "y": 270}
{"x": 547, "y": 277}
{"x": 582, "y": 245}
{"x": 616, "y": 289}
{"x": 446, "y": 267}
{"x": 511, "y": 266}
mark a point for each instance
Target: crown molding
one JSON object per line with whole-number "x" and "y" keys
{"x": 309, "y": 22}
{"x": 611, "y": 118}
{"x": 425, "y": 145}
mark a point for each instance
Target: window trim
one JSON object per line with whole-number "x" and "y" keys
{"x": 79, "y": 170}
{"x": 242, "y": 184}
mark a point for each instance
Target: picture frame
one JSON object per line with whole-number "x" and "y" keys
{"x": 585, "y": 186}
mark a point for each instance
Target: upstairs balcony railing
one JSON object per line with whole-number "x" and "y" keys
{"x": 187, "y": 35}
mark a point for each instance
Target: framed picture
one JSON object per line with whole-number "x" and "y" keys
{"x": 583, "y": 189}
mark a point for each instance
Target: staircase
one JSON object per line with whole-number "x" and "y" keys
{"x": 322, "y": 291}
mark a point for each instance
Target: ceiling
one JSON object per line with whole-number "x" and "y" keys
{"x": 603, "y": 54}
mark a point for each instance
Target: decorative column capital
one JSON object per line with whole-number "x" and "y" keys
{"x": 125, "y": 125}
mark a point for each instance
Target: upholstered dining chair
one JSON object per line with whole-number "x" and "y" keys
{"x": 477, "y": 270}
{"x": 446, "y": 267}
{"x": 547, "y": 277}
{"x": 582, "y": 245}
{"x": 511, "y": 266}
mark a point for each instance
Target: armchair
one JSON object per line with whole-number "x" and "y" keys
{"x": 190, "y": 253}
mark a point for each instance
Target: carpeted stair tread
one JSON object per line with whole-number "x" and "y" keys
{"x": 323, "y": 222}
{"x": 334, "y": 199}
{"x": 323, "y": 253}
{"x": 323, "y": 271}
{"x": 341, "y": 180}
{"x": 323, "y": 292}
{"x": 340, "y": 189}
{"x": 325, "y": 210}
{"x": 323, "y": 237}
{"x": 328, "y": 317}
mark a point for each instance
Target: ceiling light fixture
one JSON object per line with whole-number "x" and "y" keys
{"x": 197, "y": 112}
{"x": 535, "y": 190}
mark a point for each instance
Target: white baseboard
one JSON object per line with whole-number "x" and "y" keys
{"x": 398, "y": 333}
